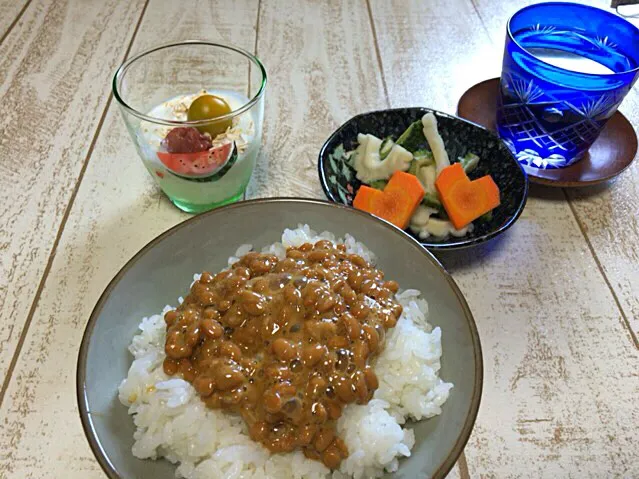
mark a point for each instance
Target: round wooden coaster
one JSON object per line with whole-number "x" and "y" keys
{"x": 613, "y": 152}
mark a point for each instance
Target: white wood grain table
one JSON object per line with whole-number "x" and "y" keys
{"x": 556, "y": 299}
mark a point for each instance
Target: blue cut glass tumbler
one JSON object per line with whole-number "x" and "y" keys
{"x": 566, "y": 69}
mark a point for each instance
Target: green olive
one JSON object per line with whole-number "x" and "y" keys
{"x": 208, "y": 107}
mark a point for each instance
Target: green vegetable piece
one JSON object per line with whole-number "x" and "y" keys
{"x": 487, "y": 217}
{"x": 378, "y": 184}
{"x": 386, "y": 147}
{"x": 413, "y": 138}
{"x": 423, "y": 154}
{"x": 432, "y": 200}
{"x": 469, "y": 162}
{"x": 420, "y": 158}
{"x": 424, "y": 161}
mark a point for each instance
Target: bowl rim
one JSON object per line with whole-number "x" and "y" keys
{"x": 83, "y": 407}
{"x": 449, "y": 244}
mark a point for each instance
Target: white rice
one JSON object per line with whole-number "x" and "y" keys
{"x": 172, "y": 422}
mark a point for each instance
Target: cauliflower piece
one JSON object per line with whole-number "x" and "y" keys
{"x": 368, "y": 164}
{"x": 422, "y": 216}
{"x": 424, "y": 226}
{"x": 435, "y": 142}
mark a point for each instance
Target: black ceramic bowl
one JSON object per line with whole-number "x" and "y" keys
{"x": 460, "y": 137}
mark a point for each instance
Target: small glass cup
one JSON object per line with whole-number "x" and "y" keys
{"x": 566, "y": 69}
{"x": 210, "y": 161}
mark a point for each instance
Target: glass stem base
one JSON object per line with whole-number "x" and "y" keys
{"x": 200, "y": 208}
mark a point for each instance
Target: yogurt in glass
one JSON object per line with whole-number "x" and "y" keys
{"x": 226, "y": 178}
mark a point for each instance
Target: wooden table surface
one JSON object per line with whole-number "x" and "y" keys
{"x": 556, "y": 299}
